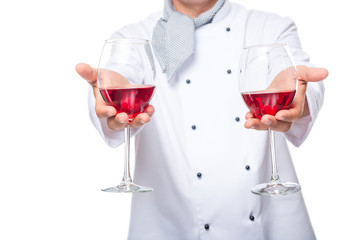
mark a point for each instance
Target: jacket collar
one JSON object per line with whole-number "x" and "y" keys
{"x": 223, "y": 12}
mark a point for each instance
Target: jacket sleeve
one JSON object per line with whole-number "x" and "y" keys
{"x": 287, "y": 33}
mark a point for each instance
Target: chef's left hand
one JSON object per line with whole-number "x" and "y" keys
{"x": 284, "y": 119}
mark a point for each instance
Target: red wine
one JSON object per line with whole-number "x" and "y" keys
{"x": 131, "y": 100}
{"x": 262, "y": 102}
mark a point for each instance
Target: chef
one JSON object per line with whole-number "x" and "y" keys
{"x": 194, "y": 150}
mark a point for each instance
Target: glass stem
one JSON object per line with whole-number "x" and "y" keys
{"x": 126, "y": 176}
{"x": 274, "y": 173}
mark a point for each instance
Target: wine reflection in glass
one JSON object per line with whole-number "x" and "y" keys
{"x": 126, "y": 80}
{"x": 268, "y": 83}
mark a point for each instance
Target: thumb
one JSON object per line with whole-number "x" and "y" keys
{"x": 311, "y": 74}
{"x": 88, "y": 73}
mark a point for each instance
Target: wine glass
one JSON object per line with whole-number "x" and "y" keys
{"x": 268, "y": 83}
{"x": 126, "y": 80}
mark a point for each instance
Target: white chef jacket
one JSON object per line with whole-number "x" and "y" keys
{"x": 196, "y": 153}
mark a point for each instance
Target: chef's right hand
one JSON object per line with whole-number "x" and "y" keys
{"x": 103, "y": 110}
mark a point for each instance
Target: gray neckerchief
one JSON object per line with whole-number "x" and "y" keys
{"x": 174, "y": 36}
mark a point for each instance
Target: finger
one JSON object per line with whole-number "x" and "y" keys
{"x": 140, "y": 120}
{"x": 290, "y": 115}
{"x": 249, "y": 115}
{"x": 150, "y": 110}
{"x": 311, "y": 74}
{"x": 87, "y": 72}
{"x": 276, "y": 125}
{"x": 143, "y": 118}
{"x": 118, "y": 122}
{"x": 104, "y": 111}
{"x": 254, "y": 123}
{"x": 297, "y": 107}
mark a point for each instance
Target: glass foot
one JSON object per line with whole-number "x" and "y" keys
{"x": 276, "y": 188}
{"x": 128, "y": 187}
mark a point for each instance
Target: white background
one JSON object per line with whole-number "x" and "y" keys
{"x": 53, "y": 162}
